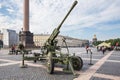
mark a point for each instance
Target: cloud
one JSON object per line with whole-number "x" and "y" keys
{"x": 45, "y": 15}
{"x": 11, "y": 14}
{"x": 49, "y": 14}
{"x": 0, "y": 5}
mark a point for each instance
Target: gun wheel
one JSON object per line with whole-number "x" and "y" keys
{"x": 50, "y": 64}
{"x": 77, "y": 63}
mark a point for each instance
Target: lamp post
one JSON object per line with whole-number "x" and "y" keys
{"x": 90, "y": 57}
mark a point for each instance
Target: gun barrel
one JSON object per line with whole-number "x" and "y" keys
{"x": 74, "y": 4}
{"x": 56, "y": 31}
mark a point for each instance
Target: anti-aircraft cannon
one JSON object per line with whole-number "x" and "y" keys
{"x": 52, "y": 56}
{"x": 49, "y": 51}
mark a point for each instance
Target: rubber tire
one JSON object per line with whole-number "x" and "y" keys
{"x": 81, "y": 61}
{"x": 77, "y": 62}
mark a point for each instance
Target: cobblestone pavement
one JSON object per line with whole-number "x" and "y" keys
{"x": 105, "y": 67}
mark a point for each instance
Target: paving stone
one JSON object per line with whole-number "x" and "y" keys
{"x": 97, "y": 78}
{"x": 116, "y": 53}
{"x": 117, "y": 58}
{"x": 86, "y": 65}
{"x": 14, "y": 72}
{"x": 1, "y": 62}
{"x": 12, "y": 57}
{"x": 110, "y": 68}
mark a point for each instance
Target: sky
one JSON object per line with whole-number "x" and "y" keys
{"x": 89, "y": 17}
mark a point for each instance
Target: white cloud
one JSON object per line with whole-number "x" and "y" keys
{"x": 0, "y": 5}
{"x": 12, "y": 19}
{"x": 45, "y": 15}
{"x": 10, "y": 10}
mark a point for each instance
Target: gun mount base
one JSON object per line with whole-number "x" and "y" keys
{"x": 50, "y": 63}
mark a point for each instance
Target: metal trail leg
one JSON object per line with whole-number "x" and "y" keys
{"x": 23, "y": 65}
{"x": 71, "y": 67}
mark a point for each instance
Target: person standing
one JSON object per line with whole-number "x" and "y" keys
{"x": 103, "y": 49}
{"x": 97, "y": 48}
{"x": 13, "y": 49}
{"x": 87, "y": 49}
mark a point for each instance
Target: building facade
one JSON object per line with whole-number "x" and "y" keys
{"x": 40, "y": 39}
{"x": 94, "y": 39}
{"x": 10, "y": 37}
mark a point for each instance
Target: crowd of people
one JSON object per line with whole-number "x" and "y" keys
{"x": 20, "y": 47}
{"x": 103, "y": 49}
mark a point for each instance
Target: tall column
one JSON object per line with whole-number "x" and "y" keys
{"x": 26, "y": 37}
{"x": 26, "y": 15}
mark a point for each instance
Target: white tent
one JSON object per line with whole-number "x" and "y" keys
{"x": 104, "y": 44}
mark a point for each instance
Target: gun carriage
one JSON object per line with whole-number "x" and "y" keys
{"x": 52, "y": 56}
